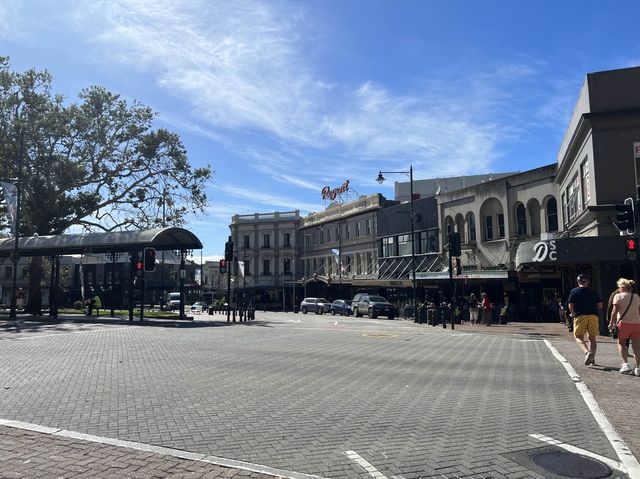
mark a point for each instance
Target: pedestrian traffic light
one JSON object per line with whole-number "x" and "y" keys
{"x": 631, "y": 248}
{"x": 228, "y": 250}
{"x": 149, "y": 259}
{"x": 454, "y": 244}
{"x": 625, "y": 217}
{"x": 223, "y": 266}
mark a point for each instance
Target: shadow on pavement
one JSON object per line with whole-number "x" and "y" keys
{"x": 37, "y": 323}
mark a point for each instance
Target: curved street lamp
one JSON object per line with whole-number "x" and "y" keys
{"x": 380, "y": 180}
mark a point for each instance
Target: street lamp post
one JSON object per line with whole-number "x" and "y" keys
{"x": 380, "y": 179}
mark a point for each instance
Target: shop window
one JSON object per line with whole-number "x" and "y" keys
{"x": 586, "y": 188}
{"x": 472, "y": 227}
{"x": 488, "y": 223}
{"x": 574, "y": 206}
{"x": 521, "y": 220}
{"x": 404, "y": 245}
{"x": 552, "y": 215}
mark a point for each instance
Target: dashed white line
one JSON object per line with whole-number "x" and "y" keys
{"x": 627, "y": 459}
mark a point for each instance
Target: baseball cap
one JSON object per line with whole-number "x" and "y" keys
{"x": 583, "y": 278}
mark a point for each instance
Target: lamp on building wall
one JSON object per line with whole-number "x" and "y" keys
{"x": 380, "y": 180}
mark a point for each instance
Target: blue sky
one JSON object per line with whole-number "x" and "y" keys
{"x": 282, "y": 98}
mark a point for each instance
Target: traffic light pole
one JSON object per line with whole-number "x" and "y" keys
{"x": 142, "y": 295}
{"x": 228, "y": 294}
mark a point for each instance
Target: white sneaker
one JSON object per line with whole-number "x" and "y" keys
{"x": 626, "y": 369}
{"x": 636, "y": 371}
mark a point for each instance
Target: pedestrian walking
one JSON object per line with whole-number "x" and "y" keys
{"x": 486, "y": 309}
{"x": 20, "y": 299}
{"x": 584, "y": 304}
{"x": 625, "y": 316}
{"x": 473, "y": 309}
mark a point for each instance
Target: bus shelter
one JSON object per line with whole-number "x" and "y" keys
{"x": 110, "y": 243}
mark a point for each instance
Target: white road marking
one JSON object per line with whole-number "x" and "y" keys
{"x": 627, "y": 459}
{"x": 139, "y": 446}
{"x": 583, "y": 452}
{"x": 373, "y": 472}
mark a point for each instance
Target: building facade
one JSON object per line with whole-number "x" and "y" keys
{"x": 338, "y": 247}
{"x": 265, "y": 243}
{"x": 598, "y": 167}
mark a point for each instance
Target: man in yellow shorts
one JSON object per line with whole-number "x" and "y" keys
{"x": 584, "y": 304}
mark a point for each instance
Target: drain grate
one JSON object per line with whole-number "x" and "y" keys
{"x": 569, "y": 464}
{"x": 552, "y": 462}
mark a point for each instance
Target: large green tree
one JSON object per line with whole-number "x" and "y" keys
{"x": 95, "y": 163}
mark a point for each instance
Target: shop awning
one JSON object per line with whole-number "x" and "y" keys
{"x": 563, "y": 251}
{"x": 479, "y": 274}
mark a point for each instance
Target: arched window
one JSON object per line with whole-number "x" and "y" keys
{"x": 552, "y": 215}
{"x": 471, "y": 224}
{"x": 521, "y": 220}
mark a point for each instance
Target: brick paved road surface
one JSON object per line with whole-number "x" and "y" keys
{"x": 27, "y": 454}
{"x": 297, "y": 392}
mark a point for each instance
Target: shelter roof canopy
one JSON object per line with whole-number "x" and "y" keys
{"x": 116, "y": 241}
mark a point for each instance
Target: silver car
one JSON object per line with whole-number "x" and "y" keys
{"x": 315, "y": 305}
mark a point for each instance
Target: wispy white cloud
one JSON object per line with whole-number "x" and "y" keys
{"x": 245, "y": 65}
{"x": 263, "y": 201}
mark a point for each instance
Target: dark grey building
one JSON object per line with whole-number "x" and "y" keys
{"x": 598, "y": 167}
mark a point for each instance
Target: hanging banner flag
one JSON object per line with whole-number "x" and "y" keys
{"x": 241, "y": 268}
{"x": 336, "y": 253}
{"x": 11, "y": 197}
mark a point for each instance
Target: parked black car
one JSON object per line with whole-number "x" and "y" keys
{"x": 341, "y": 306}
{"x": 373, "y": 306}
{"x": 315, "y": 305}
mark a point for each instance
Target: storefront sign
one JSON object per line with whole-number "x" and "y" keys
{"x": 332, "y": 194}
{"x": 544, "y": 251}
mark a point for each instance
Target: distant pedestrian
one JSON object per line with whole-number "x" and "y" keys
{"x": 88, "y": 307}
{"x": 20, "y": 299}
{"x": 97, "y": 303}
{"x": 486, "y": 309}
{"x": 473, "y": 309}
{"x": 584, "y": 304}
{"x": 625, "y": 316}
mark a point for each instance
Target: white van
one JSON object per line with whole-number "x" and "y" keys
{"x": 173, "y": 301}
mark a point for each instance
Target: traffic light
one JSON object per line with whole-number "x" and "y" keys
{"x": 625, "y": 217}
{"x": 223, "y": 266}
{"x": 454, "y": 244}
{"x": 149, "y": 259}
{"x": 228, "y": 250}
{"x": 631, "y": 248}
{"x": 457, "y": 266}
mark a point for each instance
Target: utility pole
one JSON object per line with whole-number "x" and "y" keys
{"x": 16, "y": 232}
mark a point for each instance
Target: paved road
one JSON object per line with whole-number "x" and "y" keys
{"x": 311, "y": 394}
